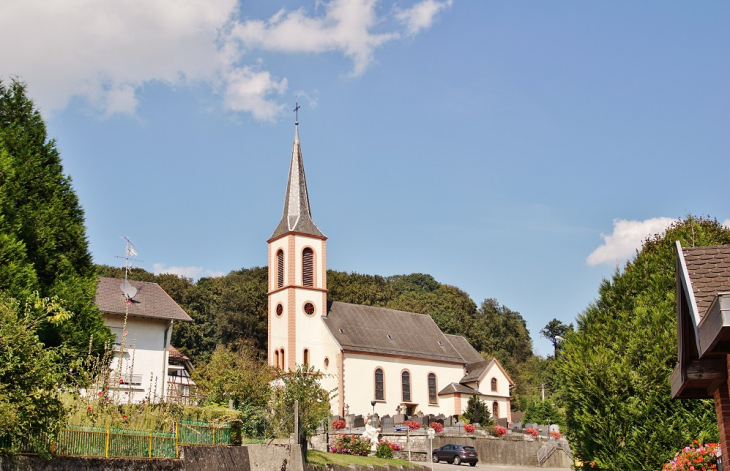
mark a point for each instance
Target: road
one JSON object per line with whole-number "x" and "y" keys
{"x": 443, "y": 466}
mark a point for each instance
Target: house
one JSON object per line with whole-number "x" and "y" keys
{"x": 179, "y": 385}
{"x": 703, "y": 329}
{"x": 399, "y": 361}
{"x": 142, "y": 325}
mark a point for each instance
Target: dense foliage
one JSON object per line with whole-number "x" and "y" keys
{"x": 303, "y": 386}
{"x": 614, "y": 370}
{"x": 43, "y": 243}
{"x": 477, "y": 412}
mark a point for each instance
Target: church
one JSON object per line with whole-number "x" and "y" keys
{"x": 394, "y": 359}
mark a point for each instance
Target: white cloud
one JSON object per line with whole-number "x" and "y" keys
{"x": 726, "y": 223}
{"x": 627, "y": 237}
{"x": 422, "y": 15}
{"x": 105, "y": 52}
{"x": 188, "y": 272}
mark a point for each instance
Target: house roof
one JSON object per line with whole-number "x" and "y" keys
{"x": 150, "y": 300}
{"x": 297, "y": 216}
{"x": 369, "y": 329}
{"x": 709, "y": 271}
{"x": 459, "y": 388}
{"x": 176, "y": 354}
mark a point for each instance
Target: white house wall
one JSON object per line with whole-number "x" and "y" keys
{"x": 145, "y": 354}
{"x": 359, "y": 387}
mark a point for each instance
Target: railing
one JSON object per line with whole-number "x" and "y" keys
{"x": 120, "y": 443}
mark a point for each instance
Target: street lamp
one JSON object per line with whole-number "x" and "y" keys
{"x": 372, "y": 403}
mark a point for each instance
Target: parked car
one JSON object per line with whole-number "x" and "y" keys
{"x": 456, "y": 454}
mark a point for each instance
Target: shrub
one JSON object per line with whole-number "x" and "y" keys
{"x": 469, "y": 428}
{"x": 499, "y": 430}
{"x": 695, "y": 457}
{"x": 437, "y": 427}
{"x": 532, "y": 432}
{"x": 338, "y": 424}
{"x": 412, "y": 425}
{"x": 555, "y": 435}
{"x": 350, "y": 445}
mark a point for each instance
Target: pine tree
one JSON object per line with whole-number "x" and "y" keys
{"x": 44, "y": 246}
{"x": 614, "y": 370}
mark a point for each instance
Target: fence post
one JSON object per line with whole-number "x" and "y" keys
{"x": 149, "y": 453}
{"x": 213, "y": 427}
{"x": 106, "y": 443}
{"x": 177, "y": 453}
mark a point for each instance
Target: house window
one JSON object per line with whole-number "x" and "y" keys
{"x": 494, "y": 384}
{"x": 432, "y": 397}
{"x": 308, "y": 267}
{"x": 406, "y": 386}
{"x": 306, "y": 356}
{"x": 379, "y": 385}
{"x": 280, "y": 269}
{"x": 495, "y": 410}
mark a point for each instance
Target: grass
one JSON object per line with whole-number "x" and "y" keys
{"x": 320, "y": 458}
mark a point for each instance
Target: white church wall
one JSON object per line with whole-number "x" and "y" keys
{"x": 359, "y": 370}
{"x": 502, "y": 383}
{"x": 144, "y": 364}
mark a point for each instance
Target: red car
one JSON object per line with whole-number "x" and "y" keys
{"x": 456, "y": 454}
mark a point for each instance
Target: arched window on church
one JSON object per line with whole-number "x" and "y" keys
{"x": 306, "y": 356}
{"x": 276, "y": 358}
{"x": 406, "y": 386}
{"x": 495, "y": 410}
{"x": 282, "y": 359}
{"x": 432, "y": 396}
{"x": 379, "y": 384}
{"x": 307, "y": 267}
{"x": 494, "y": 385}
{"x": 280, "y": 269}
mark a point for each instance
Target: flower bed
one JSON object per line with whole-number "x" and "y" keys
{"x": 531, "y": 432}
{"x": 385, "y": 449}
{"x": 696, "y": 457}
{"x": 412, "y": 425}
{"x": 499, "y": 430}
{"x": 469, "y": 428}
{"x": 338, "y": 424}
{"x": 555, "y": 435}
{"x": 350, "y": 445}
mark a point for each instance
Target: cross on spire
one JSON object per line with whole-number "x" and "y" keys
{"x": 296, "y": 111}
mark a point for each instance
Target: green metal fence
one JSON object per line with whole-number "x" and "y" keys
{"x": 190, "y": 432}
{"x": 121, "y": 443}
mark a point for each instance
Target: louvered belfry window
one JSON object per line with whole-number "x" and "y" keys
{"x": 432, "y": 397}
{"x": 406, "y": 382}
{"x": 379, "y": 390}
{"x": 308, "y": 267}
{"x": 280, "y": 269}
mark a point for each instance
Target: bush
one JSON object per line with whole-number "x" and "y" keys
{"x": 469, "y": 428}
{"x": 338, "y": 424}
{"x": 499, "y": 430}
{"x": 532, "y": 432}
{"x": 384, "y": 450}
{"x": 350, "y": 445}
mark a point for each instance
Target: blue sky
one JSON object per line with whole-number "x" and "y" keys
{"x": 517, "y": 150}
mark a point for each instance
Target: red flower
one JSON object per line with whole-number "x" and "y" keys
{"x": 88, "y": 409}
{"x": 124, "y": 417}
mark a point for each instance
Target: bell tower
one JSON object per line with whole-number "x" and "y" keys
{"x": 297, "y": 276}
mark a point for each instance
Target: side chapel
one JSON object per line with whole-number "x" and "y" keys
{"x": 366, "y": 353}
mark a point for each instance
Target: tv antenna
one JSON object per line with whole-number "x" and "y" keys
{"x": 128, "y": 290}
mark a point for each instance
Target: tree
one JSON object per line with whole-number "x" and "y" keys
{"x": 301, "y": 385}
{"x": 555, "y": 331}
{"x": 30, "y": 375}
{"x": 235, "y": 373}
{"x": 44, "y": 246}
{"x": 502, "y": 333}
{"x": 477, "y": 412}
{"x": 614, "y": 370}
{"x": 542, "y": 412}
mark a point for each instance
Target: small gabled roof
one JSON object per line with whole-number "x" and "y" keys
{"x": 378, "y": 330}
{"x": 176, "y": 354}
{"x": 297, "y": 216}
{"x": 150, "y": 300}
{"x": 459, "y": 388}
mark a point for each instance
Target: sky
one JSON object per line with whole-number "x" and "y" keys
{"x": 517, "y": 150}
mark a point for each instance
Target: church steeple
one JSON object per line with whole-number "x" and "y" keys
{"x": 297, "y": 216}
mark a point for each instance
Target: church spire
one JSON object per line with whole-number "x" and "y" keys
{"x": 297, "y": 216}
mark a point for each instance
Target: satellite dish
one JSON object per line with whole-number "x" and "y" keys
{"x": 128, "y": 290}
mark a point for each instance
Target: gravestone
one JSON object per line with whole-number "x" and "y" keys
{"x": 358, "y": 422}
{"x": 398, "y": 419}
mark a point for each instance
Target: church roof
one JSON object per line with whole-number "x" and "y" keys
{"x": 378, "y": 330}
{"x": 297, "y": 216}
{"x": 150, "y": 300}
